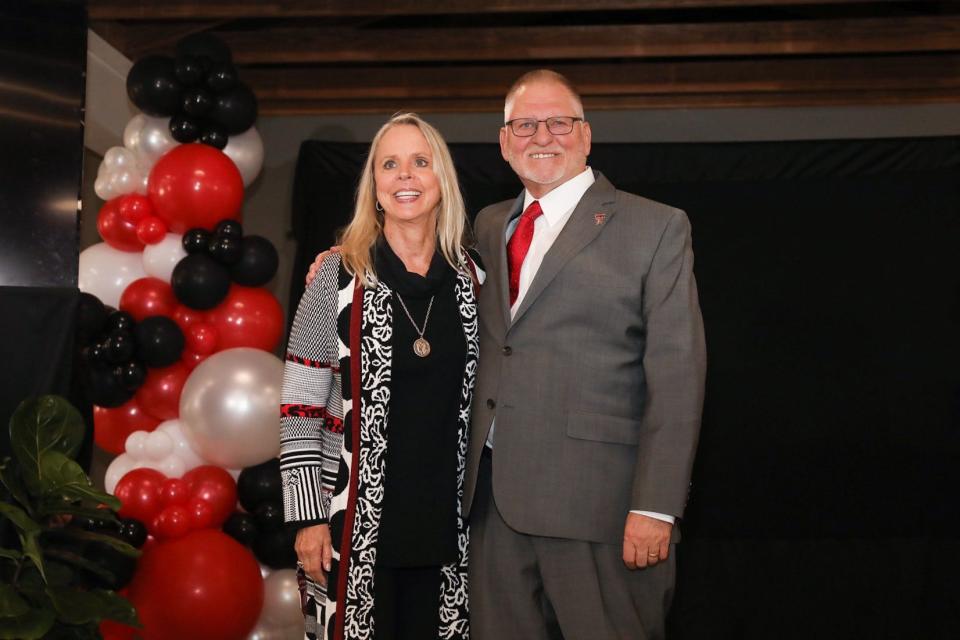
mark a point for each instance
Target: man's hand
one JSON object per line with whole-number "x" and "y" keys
{"x": 646, "y": 541}
{"x": 315, "y": 551}
{"x": 312, "y": 272}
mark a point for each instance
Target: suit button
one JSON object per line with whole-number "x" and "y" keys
{"x": 490, "y": 403}
{"x": 507, "y": 350}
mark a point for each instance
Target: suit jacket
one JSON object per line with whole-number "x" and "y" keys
{"x": 597, "y": 382}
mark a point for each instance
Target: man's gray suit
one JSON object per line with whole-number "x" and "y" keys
{"x": 596, "y": 384}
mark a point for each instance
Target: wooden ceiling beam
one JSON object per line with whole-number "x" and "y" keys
{"x": 236, "y": 9}
{"x": 878, "y": 74}
{"x": 800, "y": 37}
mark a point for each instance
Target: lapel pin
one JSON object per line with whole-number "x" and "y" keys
{"x": 599, "y": 218}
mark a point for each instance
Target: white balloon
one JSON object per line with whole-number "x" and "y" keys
{"x": 117, "y": 469}
{"x": 228, "y": 407}
{"x": 148, "y": 138}
{"x": 160, "y": 259}
{"x": 158, "y": 445}
{"x": 136, "y": 444}
{"x": 119, "y": 174}
{"x": 181, "y": 446}
{"x": 246, "y": 151}
{"x": 105, "y": 272}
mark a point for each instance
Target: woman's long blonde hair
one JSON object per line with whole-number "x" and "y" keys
{"x": 359, "y": 237}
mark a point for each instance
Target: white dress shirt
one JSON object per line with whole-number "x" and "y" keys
{"x": 557, "y": 207}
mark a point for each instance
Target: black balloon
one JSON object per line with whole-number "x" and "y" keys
{"x": 259, "y": 484}
{"x": 222, "y": 76}
{"x": 184, "y": 129}
{"x": 133, "y": 532}
{"x": 119, "y": 347}
{"x": 258, "y": 262}
{"x": 104, "y": 388}
{"x": 228, "y": 229}
{"x": 153, "y": 86}
{"x": 197, "y": 101}
{"x": 189, "y": 71}
{"x": 91, "y": 318}
{"x": 196, "y": 240}
{"x": 269, "y": 516}
{"x": 204, "y": 44}
{"x": 214, "y": 135}
{"x": 200, "y": 282}
{"x": 235, "y": 109}
{"x": 275, "y": 548}
{"x": 159, "y": 341}
{"x": 119, "y": 321}
{"x": 133, "y": 374}
{"x": 241, "y": 527}
{"x": 226, "y": 251}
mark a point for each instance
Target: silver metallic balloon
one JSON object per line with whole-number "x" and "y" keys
{"x": 267, "y": 632}
{"x": 281, "y": 599}
{"x": 229, "y": 407}
{"x": 246, "y": 151}
{"x": 119, "y": 173}
{"x": 148, "y": 138}
{"x": 105, "y": 272}
{"x": 160, "y": 259}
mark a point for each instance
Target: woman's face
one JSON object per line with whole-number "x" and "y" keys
{"x": 407, "y": 187}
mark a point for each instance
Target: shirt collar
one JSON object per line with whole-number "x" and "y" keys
{"x": 562, "y": 199}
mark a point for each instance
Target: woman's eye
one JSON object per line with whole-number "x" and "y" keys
{"x": 389, "y": 164}
{"x": 423, "y": 162}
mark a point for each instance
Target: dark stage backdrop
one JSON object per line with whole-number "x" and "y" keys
{"x": 825, "y": 500}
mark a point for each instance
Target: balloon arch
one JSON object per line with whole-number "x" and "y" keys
{"x": 176, "y": 334}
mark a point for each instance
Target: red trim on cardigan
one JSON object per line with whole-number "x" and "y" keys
{"x": 356, "y": 315}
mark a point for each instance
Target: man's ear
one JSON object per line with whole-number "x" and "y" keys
{"x": 503, "y": 143}
{"x": 587, "y": 135}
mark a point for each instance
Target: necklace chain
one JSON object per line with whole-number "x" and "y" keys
{"x": 420, "y": 331}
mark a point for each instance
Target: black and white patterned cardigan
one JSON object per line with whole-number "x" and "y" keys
{"x": 332, "y": 454}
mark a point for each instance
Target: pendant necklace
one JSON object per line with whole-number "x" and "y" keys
{"x": 420, "y": 346}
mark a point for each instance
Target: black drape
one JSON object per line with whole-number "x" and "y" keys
{"x": 825, "y": 488}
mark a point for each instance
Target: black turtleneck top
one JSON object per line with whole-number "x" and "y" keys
{"x": 418, "y": 525}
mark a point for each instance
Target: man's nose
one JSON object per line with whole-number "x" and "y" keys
{"x": 542, "y": 135}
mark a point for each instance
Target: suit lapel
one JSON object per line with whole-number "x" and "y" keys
{"x": 579, "y": 231}
{"x": 501, "y": 276}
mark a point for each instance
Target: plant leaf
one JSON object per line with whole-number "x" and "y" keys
{"x": 12, "y": 554}
{"x": 72, "y": 557}
{"x": 62, "y": 476}
{"x": 11, "y": 479}
{"x": 28, "y": 530}
{"x": 11, "y": 604}
{"x": 81, "y": 607}
{"x": 92, "y": 536}
{"x": 56, "y": 505}
{"x": 33, "y": 625}
{"x": 39, "y": 425}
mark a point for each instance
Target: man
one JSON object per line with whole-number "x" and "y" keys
{"x": 588, "y": 399}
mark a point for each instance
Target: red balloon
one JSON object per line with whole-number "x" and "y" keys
{"x": 115, "y": 230}
{"x": 214, "y": 486}
{"x": 148, "y": 297}
{"x": 185, "y": 317}
{"x": 151, "y": 230}
{"x": 172, "y": 522}
{"x": 133, "y": 207}
{"x": 112, "y": 426}
{"x": 195, "y": 185}
{"x": 160, "y": 393}
{"x": 201, "y": 338}
{"x": 174, "y": 491}
{"x": 203, "y": 586}
{"x": 139, "y": 494}
{"x": 202, "y": 515}
{"x": 248, "y": 317}
{"x": 111, "y": 630}
{"x": 191, "y": 359}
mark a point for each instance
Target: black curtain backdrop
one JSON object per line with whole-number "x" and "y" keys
{"x": 825, "y": 500}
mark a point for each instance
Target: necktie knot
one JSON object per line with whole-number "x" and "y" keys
{"x": 518, "y": 246}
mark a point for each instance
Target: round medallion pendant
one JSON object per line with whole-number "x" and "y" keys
{"x": 421, "y": 347}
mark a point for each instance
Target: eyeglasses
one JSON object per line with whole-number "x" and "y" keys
{"x": 557, "y": 125}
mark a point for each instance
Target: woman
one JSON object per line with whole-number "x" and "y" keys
{"x": 376, "y": 397}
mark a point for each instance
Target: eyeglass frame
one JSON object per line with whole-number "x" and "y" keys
{"x": 574, "y": 119}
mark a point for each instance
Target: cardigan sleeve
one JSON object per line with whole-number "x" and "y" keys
{"x": 310, "y": 430}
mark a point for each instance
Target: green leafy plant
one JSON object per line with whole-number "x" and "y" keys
{"x": 51, "y": 584}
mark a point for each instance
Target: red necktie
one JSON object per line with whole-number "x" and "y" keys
{"x": 518, "y": 246}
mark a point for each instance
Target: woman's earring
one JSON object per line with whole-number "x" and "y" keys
{"x": 378, "y": 207}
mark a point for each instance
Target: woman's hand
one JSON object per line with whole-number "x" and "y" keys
{"x": 312, "y": 273}
{"x": 315, "y": 551}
